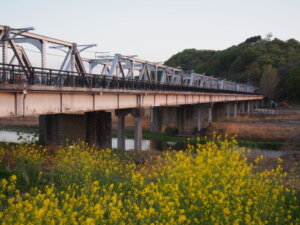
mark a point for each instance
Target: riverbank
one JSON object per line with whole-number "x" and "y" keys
{"x": 159, "y": 138}
{"x": 279, "y": 131}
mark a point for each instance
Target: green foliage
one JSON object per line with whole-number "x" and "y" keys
{"x": 293, "y": 82}
{"x": 171, "y": 131}
{"x": 269, "y": 81}
{"x": 247, "y": 62}
{"x": 253, "y": 39}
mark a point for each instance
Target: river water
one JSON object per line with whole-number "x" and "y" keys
{"x": 18, "y": 137}
{"x": 21, "y": 137}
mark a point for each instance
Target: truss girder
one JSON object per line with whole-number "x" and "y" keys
{"x": 119, "y": 66}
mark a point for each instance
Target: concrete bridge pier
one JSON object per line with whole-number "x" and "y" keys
{"x": 249, "y": 107}
{"x": 154, "y": 119}
{"x": 252, "y": 106}
{"x": 92, "y": 127}
{"x": 121, "y": 114}
{"x": 98, "y": 127}
{"x": 55, "y": 129}
{"x": 256, "y": 104}
{"x": 209, "y": 114}
{"x": 241, "y": 107}
{"x": 138, "y": 113}
{"x": 182, "y": 117}
{"x": 262, "y": 103}
{"x": 235, "y": 110}
{"x": 162, "y": 117}
{"x": 186, "y": 119}
{"x": 199, "y": 118}
{"x": 228, "y": 110}
{"x": 220, "y": 110}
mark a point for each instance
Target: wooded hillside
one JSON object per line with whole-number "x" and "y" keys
{"x": 272, "y": 65}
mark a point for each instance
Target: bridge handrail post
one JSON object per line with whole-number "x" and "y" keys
{"x": 93, "y": 80}
{"x": 60, "y": 80}
{"x": 68, "y": 79}
{"x": 12, "y": 71}
{"x": 50, "y": 78}
{"x": 4, "y": 74}
{"x": 32, "y": 76}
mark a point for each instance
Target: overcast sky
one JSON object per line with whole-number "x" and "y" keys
{"x": 154, "y": 29}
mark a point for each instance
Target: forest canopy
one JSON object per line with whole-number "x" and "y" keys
{"x": 273, "y": 65}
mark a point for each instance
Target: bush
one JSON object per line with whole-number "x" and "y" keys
{"x": 172, "y": 131}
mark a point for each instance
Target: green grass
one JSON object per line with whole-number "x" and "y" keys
{"x": 266, "y": 145}
{"x": 295, "y": 105}
{"x": 20, "y": 129}
{"x": 154, "y": 136}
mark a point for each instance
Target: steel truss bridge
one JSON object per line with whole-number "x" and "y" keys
{"x": 115, "y": 72}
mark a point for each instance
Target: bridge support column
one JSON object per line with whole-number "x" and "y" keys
{"x": 219, "y": 110}
{"x": 235, "y": 110}
{"x": 199, "y": 119}
{"x": 121, "y": 114}
{"x": 228, "y": 110}
{"x": 55, "y": 129}
{"x": 98, "y": 128}
{"x": 138, "y": 130}
{"x": 186, "y": 119}
{"x": 155, "y": 120}
{"x": 249, "y": 107}
{"x": 242, "y": 109}
{"x": 163, "y": 117}
{"x": 209, "y": 118}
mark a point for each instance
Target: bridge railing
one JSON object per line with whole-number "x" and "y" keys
{"x": 15, "y": 74}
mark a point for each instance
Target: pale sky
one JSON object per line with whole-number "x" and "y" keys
{"x": 154, "y": 29}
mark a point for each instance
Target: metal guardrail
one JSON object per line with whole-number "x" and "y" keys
{"x": 15, "y": 74}
{"x": 262, "y": 111}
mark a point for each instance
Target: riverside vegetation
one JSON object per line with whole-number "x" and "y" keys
{"x": 209, "y": 183}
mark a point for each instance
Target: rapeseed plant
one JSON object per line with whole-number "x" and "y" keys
{"x": 210, "y": 183}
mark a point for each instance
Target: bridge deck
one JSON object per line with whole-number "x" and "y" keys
{"x": 34, "y": 91}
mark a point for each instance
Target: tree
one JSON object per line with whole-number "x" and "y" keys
{"x": 293, "y": 84}
{"x": 268, "y": 81}
{"x": 253, "y": 39}
{"x": 247, "y": 61}
{"x": 253, "y": 72}
{"x": 268, "y": 36}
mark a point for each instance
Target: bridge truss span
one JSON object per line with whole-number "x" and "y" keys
{"x": 112, "y": 72}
